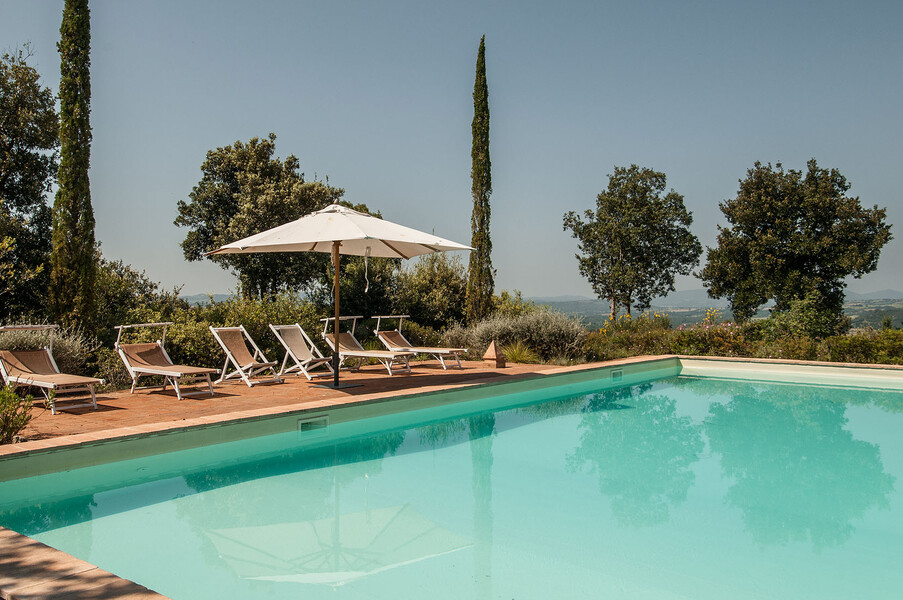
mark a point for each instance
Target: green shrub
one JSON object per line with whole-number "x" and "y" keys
{"x": 550, "y": 334}
{"x": 513, "y": 305}
{"x": 791, "y": 348}
{"x": 706, "y": 339}
{"x": 421, "y": 335}
{"x": 14, "y": 415}
{"x": 805, "y": 317}
{"x": 519, "y": 352}
{"x": 850, "y": 349}
{"x": 644, "y": 322}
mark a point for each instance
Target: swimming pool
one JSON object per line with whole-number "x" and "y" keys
{"x": 674, "y": 487}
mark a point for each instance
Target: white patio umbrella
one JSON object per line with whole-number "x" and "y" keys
{"x": 341, "y": 230}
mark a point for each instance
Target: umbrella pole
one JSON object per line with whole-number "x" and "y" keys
{"x": 335, "y": 352}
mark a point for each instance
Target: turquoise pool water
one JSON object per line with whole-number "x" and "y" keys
{"x": 676, "y": 488}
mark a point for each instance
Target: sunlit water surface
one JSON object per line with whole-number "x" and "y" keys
{"x": 680, "y": 488}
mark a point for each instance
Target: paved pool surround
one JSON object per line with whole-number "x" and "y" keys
{"x": 150, "y": 421}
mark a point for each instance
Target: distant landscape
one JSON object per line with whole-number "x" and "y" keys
{"x": 689, "y": 306}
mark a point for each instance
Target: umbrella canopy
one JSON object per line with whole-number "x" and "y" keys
{"x": 341, "y": 230}
{"x": 357, "y": 232}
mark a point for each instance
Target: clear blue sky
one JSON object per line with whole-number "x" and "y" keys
{"x": 377, "y": 96}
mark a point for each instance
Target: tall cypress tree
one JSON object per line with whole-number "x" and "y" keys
{"x": 480, "y": 274}
{"x": 73, "y": 264}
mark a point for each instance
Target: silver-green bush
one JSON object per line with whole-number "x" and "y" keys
{"x": 551, "y": 334}
{"x": 71, "y": 347}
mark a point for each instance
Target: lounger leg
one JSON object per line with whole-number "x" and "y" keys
{"x": 284, "y": 362}
{"x": 441, "y": 361}
{"x": 225, "y": 366}
{"x": 210, "y": 384}
{"x": 47, "y": 401}
{"x": 175, "y": 386}
{"x": 93, "y": 397}
{"x": 134, "y": 383}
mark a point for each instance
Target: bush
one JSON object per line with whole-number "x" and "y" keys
{"x": 513, "y": 305}
{"x": 14, "y": 415}
{"x": 72, "y": 349}
{"x": 519, "y": 352}
{"x": 805, "y": 317}
{"x": 706, "y": 339}
{"x": 421, "y": 335}
{"x": 433, "y": 290}
{"x": 550, "y": 334}
{"x": 791, "y": 348}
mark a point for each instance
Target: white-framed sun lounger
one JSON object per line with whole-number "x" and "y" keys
{"x": 151, "y": 359}
{"x": 301, "y": 350}
{"x": 393, "y": 339}
{"x": 37, "y": 368}
{"x": 350, "y": 348}
{"x": 248, "y": 363}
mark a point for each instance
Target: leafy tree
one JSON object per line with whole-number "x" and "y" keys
{"x": 792, "y": 236}
{"x": 480, "y": 283}
{"x": 125, "y": 295}
{"x": 73, "y": 268}
{"x": 28, "y": 162}
{"x": 433, "y": 292}
{"x": 367, "y": 288}
{"x": 243, "y": 191}
{"x": 636, "y": 241}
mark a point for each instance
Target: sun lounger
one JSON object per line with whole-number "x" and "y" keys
{"x": 394, "y": 340}
{"x": 350, "y": 348}
{"x": 150, "y": 359}
{"x": 248, "y": 364}
{"x": 37, "y": 368}
{"x": 301, "y": 350}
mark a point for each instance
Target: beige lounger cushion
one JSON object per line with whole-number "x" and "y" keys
{"x": 149, "y": 358}
{"x": 292, "y": 337}
{"x": 234, "y": 340}
{"x": 34, "y": 367}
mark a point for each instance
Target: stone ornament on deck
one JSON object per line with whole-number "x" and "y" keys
{"x": 494, "y": 356}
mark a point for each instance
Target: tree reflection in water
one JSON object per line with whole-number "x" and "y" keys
{"x": 798, "y": 474}
{"x": 641, "y": 451}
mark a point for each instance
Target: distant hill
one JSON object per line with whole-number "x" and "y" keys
{"x": 879, "y": 295}
{"x": 689, "y": 306}
{"x": 698, "y": 298}
{"x": 199, "y": 299}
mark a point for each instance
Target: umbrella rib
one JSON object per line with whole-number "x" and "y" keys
{"x": 395, "y": 250}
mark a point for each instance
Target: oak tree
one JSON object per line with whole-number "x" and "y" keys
{"x": 29, "y": 145}
{"x": 793, "y": 236}
{"x": 636, "y": 241}
{"x": 245, "y": 190}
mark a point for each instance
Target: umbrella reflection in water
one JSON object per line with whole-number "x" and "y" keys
{"x": 334, "y": 550}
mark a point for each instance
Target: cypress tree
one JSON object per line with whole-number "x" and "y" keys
{"x": 480, "y": 274}
{"x": 73, "y": 263}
